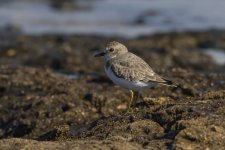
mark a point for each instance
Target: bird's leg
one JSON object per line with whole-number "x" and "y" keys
{"x": 136, "y": 96}
{"x": 130, "y": 100}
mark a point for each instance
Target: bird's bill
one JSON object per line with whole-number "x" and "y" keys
{"x": 99, "y": 54}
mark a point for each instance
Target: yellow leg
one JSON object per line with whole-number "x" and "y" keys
{"x": 130, "y": 100}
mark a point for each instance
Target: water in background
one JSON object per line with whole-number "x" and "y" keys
{"x": 127, "y": 18}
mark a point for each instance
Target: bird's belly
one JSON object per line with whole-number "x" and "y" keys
{"x": 136, "y": 86}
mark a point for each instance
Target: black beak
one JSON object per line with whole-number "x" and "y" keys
{"x": 100, "y": 54}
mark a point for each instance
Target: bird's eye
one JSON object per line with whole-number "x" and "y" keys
{"x": 111, "y": 49}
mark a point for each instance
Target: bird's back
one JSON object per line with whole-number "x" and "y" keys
{"x": 133, "y": 68}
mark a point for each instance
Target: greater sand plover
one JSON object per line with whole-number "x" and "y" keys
{"x": 128, "y": 70}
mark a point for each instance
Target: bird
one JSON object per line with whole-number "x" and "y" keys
{"x": 129, "y": 71}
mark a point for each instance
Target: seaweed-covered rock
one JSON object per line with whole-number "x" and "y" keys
{"x": 54, "y": 94}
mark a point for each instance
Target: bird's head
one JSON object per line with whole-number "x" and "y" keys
{"x": 113, "y": 49}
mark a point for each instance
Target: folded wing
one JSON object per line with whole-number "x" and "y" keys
{"x": 133, "y": 68}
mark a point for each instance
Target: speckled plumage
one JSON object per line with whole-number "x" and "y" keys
{"x": 132, "y": 68}
{"x": 128, "y": 70}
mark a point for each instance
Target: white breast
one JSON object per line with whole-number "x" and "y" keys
{"x": 136, "y": 86}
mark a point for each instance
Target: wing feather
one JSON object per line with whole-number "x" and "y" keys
{"x": 133, "y": 68}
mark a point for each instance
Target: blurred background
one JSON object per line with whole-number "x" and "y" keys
{"x": 123, "y": 18}
{"x": 127, "y": 18}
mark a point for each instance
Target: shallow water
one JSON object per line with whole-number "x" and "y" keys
{"x": 115, "y": 17}
{"x": 218, "y": 55}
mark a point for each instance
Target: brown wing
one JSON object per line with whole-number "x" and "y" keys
{"x": 133, "y": 68}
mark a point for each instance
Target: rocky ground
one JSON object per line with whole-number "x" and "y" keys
{"x": 54, "y": 94}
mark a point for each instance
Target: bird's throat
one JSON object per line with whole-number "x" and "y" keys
{"x": 107, "y": 64}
